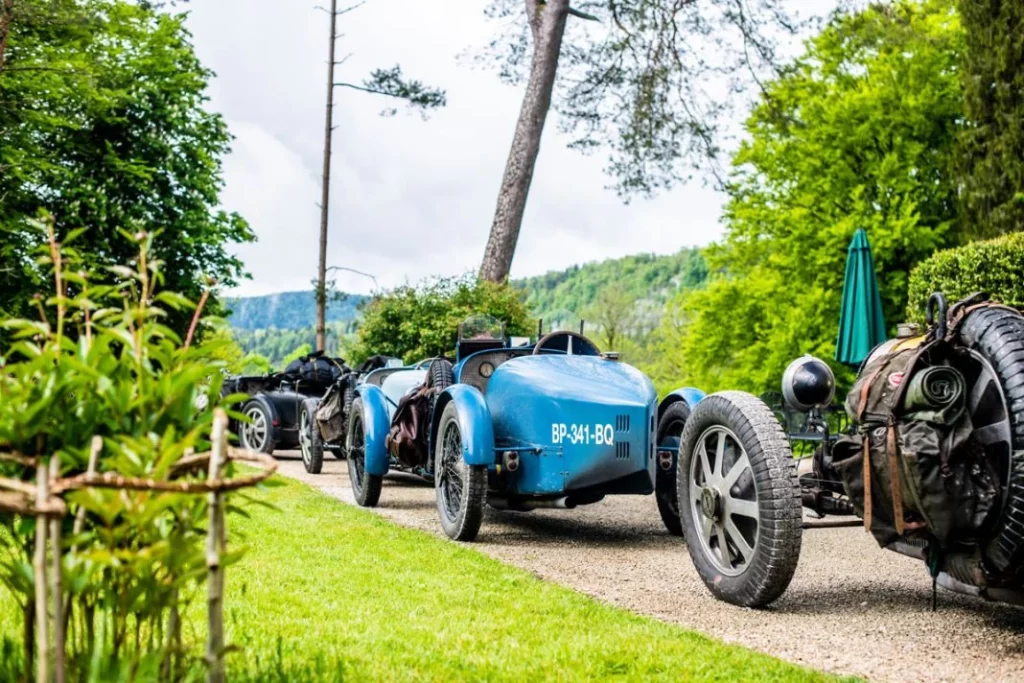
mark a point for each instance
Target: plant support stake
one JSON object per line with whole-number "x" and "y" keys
{"x": 39, "y": 576}
{"x": 214, "y": 550}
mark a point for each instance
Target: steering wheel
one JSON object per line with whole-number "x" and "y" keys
{"x": 575, "y": 344}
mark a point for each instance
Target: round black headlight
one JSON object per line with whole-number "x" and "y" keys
{"x": 808, "y": 383}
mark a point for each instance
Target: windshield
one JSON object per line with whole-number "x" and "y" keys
{"x": 481, "y": 327}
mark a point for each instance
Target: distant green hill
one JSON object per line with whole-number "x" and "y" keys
{"x": 288, "y": 310}
{"x": 275, "y": 325}
{"x": 565, "y": 296}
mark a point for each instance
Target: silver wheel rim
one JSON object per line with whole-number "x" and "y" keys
{"x": 305, "y": 438}
{"x": 723, "y": 501}
{"x": 255, "y": 431}
{"x": 451, "y": 477}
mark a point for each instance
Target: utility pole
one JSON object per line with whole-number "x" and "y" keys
{"x": 325, "y": 193}
{"x": 386, "y": 82}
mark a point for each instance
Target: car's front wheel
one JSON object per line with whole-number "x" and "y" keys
{"x": 310, "y": 443}
{"x": 365, "y": 487}
{"x": 256, "y": 432}
{"x": 739, "y": 498}
{"x": 460, "y": 488}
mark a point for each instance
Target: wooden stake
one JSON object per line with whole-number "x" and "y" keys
{"x": 39, "y": 569}
{"x": 58, "y": 593}
{"x": 215, "y": 536}
{"x": 94, "y": 456}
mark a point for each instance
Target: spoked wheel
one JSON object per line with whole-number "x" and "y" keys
{"x": 365, "y": 487}
{"x": 256, "y": 432}
{"x": 740, "y": 499}
{"x": 460, "y": 488}
{"x": 670, "y": 431}
{"x": 310, "y": 443}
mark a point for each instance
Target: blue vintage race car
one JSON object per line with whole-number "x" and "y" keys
{"x": 551, "y": 424}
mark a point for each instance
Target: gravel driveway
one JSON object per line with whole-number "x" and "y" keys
{"x": 852, "y": 608}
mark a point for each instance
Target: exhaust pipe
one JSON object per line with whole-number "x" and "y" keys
{"x": 665, "y": 459}
{"x": 510, "y": 461}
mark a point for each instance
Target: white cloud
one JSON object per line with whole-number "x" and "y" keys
{"x": 409, "y": 198}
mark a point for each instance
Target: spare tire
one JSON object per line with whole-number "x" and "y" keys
{"x": 996, "y": 334}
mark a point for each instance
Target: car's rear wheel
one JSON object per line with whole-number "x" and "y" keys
{"x": 365, "y": 487}
{"x": 460, "y": 488}
{"x": 740, "y": 499}
{"x": 310, "y": 443}
{"x": 256, "y": 432}
{"x": 670, "y": 431}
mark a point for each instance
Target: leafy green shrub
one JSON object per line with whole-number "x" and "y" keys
{"x": 420, "y": 322}
{"x": 100, "y": 362}
{"x": 995, "y": 267}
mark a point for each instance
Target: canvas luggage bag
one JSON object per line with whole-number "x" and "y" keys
{"x": 912, "y": 466}
{"x": 330, "y": 415}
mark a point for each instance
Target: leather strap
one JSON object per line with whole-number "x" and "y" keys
{"x": 894, "y": 479}
{"x": 867, "y": 482}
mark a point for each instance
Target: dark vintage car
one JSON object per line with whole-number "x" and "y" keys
{"x": 278, "y": 401}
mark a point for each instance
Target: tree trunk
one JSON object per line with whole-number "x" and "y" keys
{"x": 325, "y": 192}
{"x": 547, "y": 23}
{"x": 6, "y": 18}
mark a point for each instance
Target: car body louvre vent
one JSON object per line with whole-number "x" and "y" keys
{"x": 622, "y": 450}
{"x": 622, "y": 423}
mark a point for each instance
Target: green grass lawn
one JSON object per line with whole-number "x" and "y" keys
{"x": 331, "y": 592}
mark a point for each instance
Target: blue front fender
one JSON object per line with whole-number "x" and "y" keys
{"x": 474, "y": 422}
{"x": 376, "y": 426}
{"x": 688, "y": 395}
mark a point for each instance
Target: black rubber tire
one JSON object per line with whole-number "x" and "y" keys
{"x": 441, "y": 373}
{"x": 313, "y": 450}
{"x": 779, "y": 522}
{"x": 670, "y": 424}
{"x": 465, "y": 524}
{"x": 267, "y": 444}
{"x": 365, "y": 487}
{"x": 998, "y": 335}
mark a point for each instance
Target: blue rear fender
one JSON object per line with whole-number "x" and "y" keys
{"x": 376, "y": 425}
{"x": 474, "y": 422}
{"x": 688, "y": 395}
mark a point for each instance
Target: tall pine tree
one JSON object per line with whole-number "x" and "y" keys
{"x": 992, "y": 141}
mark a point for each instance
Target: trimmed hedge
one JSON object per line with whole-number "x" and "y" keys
{"x": 995, "y": 267}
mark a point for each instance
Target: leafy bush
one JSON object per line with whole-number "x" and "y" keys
{"x": 995, "y": 267}
{"x": 420, "y": 322}
{"x": 858, "y": 132}
{"x": 100, "y": 362}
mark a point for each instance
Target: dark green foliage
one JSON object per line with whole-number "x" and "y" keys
{"x": 420, "y": 322}
{"x": 561, "y": 298}
{"x": 102, "y": 123}
{"x": 995, "y": 267}
{"x": 289, "y": 310}
{"x": 858, "y": 133}
{"x": 992, "y": 140}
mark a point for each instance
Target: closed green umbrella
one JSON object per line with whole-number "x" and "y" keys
{"x": 861, "y": 323}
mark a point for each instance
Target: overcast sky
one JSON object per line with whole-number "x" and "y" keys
{"x": 409, "y": 198}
